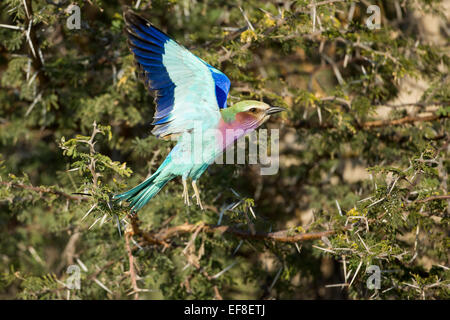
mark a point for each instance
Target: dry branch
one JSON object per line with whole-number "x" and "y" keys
{"x": 132, "y": 270}
{"x": 45, "y": 190}
{"x": 370, "y": 124}
{"x": 408, "y": 119}
{"x": 443, "y": 197}
{"x": 33, "y": 44}
{"x": 162, "y": 237}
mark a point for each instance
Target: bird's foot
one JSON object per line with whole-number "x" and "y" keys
{"x": 185, "y": 193}
{"x": 197, "y": 194}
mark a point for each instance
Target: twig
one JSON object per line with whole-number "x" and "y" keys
{"x": 132, "y": 271}
{"x": 370, "y": 124}
{"x": 408, "y": 119}
{"x": 8, "y": 26}
{"x": 161, "y": 237}
{"x": 45, "y": 190}
{"x": 443, "y": 197}
{"x": 356, "y": 273}
{"x": 33, "y": 42}
{"x": 92, "y": 162}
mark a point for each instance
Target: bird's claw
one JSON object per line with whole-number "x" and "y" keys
{"x": 185, "y": 194}
{"x": 197, "y": 194}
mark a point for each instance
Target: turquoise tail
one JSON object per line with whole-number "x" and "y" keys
{"x": 146, "y": 190}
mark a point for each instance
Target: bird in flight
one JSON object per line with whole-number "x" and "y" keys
{"x": 191, "y": 106}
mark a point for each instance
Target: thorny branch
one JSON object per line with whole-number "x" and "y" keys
{"x": 404, "y": 120}
{"x": 443, "y": 197}
{"x": 35, "y": 53}
{"x": 372, "y": 124}
{"x": 44, "y": 190}
{"x": 163, "y": 237}
{"x": 132, "y": 270}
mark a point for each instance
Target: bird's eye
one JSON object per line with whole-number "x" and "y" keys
{"x": 252, "y": 110}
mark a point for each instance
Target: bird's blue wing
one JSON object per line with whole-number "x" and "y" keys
{"x": 188, "y": 91}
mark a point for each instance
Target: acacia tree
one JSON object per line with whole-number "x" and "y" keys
{"x": 363, "y": 179}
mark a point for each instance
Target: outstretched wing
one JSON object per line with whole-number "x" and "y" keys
{"x": 188, "y": 91}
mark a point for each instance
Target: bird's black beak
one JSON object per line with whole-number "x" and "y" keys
{"x": 273, "y": 110}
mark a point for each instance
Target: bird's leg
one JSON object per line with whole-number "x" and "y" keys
{"x": 197, "y": 194}
{"x": 185, "y": 193}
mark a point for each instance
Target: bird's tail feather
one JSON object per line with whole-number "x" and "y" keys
{"x": 142, "y": 193}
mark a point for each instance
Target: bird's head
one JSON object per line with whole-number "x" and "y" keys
{"x": 249, "y": 114}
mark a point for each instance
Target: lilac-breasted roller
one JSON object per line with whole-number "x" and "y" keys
{"x": 191, "y": 104}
